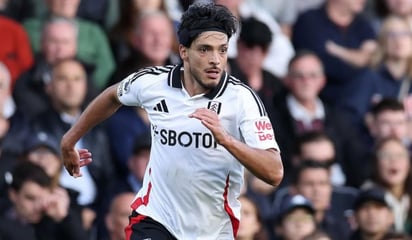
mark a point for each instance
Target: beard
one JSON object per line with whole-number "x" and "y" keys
{"x": 196, "y": 75}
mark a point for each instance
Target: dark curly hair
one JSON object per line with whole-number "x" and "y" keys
{"x": 201, "y": 17}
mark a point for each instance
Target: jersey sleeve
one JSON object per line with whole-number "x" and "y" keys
{"x": 128, "y": 90}
{"x": 255, "y": 125}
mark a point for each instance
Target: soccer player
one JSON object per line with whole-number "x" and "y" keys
{"x": 206, "y": 126}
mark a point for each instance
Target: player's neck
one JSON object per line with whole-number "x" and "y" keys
{"x": 192, "y": 86}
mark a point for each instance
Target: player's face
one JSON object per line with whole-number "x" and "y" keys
{"x": 206, "y": 59}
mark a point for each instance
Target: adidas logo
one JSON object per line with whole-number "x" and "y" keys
{"x": 161, "y": 107}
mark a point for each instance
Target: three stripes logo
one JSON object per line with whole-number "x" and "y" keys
{"x": 161, "y": 107}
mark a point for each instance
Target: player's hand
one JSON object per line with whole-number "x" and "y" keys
{"x": 211, "y": 120}
{"x": 74, "y": 159}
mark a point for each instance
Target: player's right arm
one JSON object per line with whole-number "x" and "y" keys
{"x": 102, "y": 107}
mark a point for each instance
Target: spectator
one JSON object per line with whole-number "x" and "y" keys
{"x": 43, "y": 149}
{"x": 15, "y": 51}
{"x": 137, "y": 163}
{"x": 14, "y": 128}
{"x": 345, "y": 45}
{"x": 117, "y": 218}
{"x": 312, "y": 180}
{"x": 261, "y": 193}
{"x": 317, "y": 146}
{"x": 391, "y": 171}
{"x": 122, "y": 34}
{"x": 391, "y": 73}
{"x": 121, "y": 140}
{"x": 20, "y": 10}
{"x": 38, "y": 211}
{"x": 67, "y": 90}
{"x": 93, "y": 45}
{"x": 131, "y": 179}
{"x": 58, "y": 42}
{"x": 285, "y": 13}
{"x": 13, "y": 124}
{"x": 386, "y": 8}
{"x": 296, "y": 219}
{"x": 105, "y": 13}
{"x": 305, "y": 5}
{"x": 251, "y": 226}
{"x": 387, "y": 118}
{"x": 318, "y": 235}
{"x": 280, "y": 50}
{"x": 253, "y": 46}
{"x": 373, "y": 215}
{"x": 152, "y": 44}
{"x": 301, "y": 110}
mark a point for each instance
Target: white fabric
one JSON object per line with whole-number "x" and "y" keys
{"x": 282, "y": 11}
{"x": 189, "y": 173}
{"x": 400, "y": 209}
{"x": 299, "y": 112}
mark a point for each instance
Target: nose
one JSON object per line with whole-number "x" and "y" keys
{"x": 214, "y": 58}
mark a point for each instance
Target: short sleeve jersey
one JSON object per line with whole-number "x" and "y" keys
{"x": 191, "y": 184}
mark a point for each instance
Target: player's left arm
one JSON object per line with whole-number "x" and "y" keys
{"x": 265, "y": 164}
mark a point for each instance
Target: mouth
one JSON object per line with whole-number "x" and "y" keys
{"x": 393, "y": 171}
{"x": 213, "y": 73}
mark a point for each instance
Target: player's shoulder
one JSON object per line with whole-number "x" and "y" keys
{"x": 244, "y": 94}
{"x": 149, "y": 75}
{"x": 235, "y": 84}
{"x": 153, "y": 71}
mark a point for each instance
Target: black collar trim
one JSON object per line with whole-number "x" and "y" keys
{"x": 174, "y": 80}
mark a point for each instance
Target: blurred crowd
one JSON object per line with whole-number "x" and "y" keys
{"x": 335, "y": 77}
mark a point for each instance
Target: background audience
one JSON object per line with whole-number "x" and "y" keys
{"x": 334, "y": 76}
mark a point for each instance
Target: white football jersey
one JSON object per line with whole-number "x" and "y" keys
{"x": 192, "y": 183}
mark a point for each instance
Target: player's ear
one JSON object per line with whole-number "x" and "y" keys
{"x": 183, "y": 52}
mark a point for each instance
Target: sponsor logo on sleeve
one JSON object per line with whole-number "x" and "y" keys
{"x": 264, "y": 130}
{"x": 124, "y": 87}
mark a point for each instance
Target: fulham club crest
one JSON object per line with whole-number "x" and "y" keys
{"x": 214, "y": 106}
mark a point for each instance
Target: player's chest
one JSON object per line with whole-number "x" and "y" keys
{"x": 174, "y": 112}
